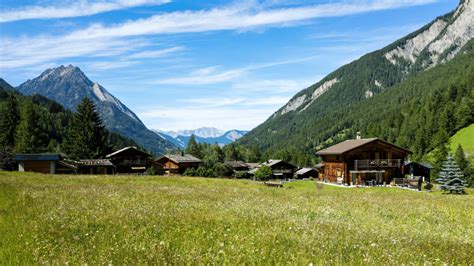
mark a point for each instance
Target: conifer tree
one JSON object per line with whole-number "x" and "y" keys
{"x": 193, "y": 147}
{"x": 9, "y": 120}
{"x": 87, "y": 135}
{"x": 451, "y": 177}
{"x": 30, "y": 136}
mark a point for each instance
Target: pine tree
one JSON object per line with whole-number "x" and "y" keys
{"x": 451, "y": 177}
{"x": 9, "y": 120}
{"x": 194, "y": 148}
{"x": 87, "y": 136}
{"x": 30, "y": 136}
{"x": 460, "y": 159}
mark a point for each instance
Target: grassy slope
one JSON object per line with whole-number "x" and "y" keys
{"x": 125, "y": 220}
{"x": 465, "y": 137}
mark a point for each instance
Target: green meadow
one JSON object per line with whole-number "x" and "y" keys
{"x": 176, "y": 220}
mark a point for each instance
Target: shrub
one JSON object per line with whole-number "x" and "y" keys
{"x": 263, "y": 173}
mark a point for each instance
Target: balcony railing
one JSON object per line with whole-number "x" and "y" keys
{"x": 377, "y": 163}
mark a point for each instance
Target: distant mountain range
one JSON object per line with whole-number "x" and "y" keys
{"x": 209, "y": 135}
{"x": 68, "y": 85}
{"x": 388, "y": 93}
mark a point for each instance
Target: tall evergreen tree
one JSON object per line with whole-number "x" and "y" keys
{"x": 194, "y": 148}
{"x": 460, "y": 159}
{"x": 451, "y": 177}
{"x": 9, "y": 119}
{"x": 31, "y": 137}
{"x": 87, "y": 135}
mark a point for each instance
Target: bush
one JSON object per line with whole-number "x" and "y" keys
{"x": 264, "y": 173}
{"x": 190, "y": 172}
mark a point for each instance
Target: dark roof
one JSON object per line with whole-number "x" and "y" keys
{"x": 38, "y": 157}
{"x": 187, "y": 158}
{"x": 96, "y": 162}
{"x": 272, "y": 163}
{"x": 424, "y": 164}
{"x": 67, "y": 164}
{"x": 126, "y": 149}
{"x": 351, "y": 144}
{"x": 237, "y": 164}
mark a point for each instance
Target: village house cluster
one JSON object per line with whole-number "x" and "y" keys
{"x": 361, "y": 162}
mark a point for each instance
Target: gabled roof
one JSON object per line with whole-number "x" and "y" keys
{"x": 126, "y": 149}
{"x": 303, "y": 171}
{"x": 351, "y": 144}
{"x": 187, "y": 158}
{"x": 424, "y": 164}
{"x": 237, "y": 164}
{"x": 272, "y": 163}
{"x": 38, "y": 157}
{"x": 95, "y": 162}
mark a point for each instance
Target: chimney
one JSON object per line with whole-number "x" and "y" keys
{"x": 358, "y": 135}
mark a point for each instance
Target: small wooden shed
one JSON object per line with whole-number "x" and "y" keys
{"x": 46, "y": 163}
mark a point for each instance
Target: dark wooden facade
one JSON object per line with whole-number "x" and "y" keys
{"x": 418, "y": 169}
{"x": 95, "y": 167}
{"x": 363, "y": 161}
{"x": 281, "y": 169}
{"x": 130, "y": 160}
{"x": 178, "y": 164}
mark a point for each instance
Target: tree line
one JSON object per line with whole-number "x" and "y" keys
{"x": 35, "y": 124}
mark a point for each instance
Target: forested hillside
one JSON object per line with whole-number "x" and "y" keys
{"x": 415, "y": 92}
{"x": 419, "y": 113}
{"x": 35, "y": 124}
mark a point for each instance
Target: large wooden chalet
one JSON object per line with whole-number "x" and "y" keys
{"x": 130, "y": 160}
{"x": 177, "y": 164}
{"x": 368, "y": 161}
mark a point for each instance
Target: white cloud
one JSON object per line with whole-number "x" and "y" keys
{"x": 76, "y": 9}
{"x": 100, "y": 40}
{"x": 157, "y": 53}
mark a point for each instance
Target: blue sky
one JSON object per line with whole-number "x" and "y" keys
{"x": 188, "y": 64}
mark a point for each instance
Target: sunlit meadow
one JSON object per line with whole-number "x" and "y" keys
{"x": 143, "y": 220}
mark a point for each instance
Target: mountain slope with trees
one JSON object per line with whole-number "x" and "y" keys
{"x": 403, "y": 93}
{"x": 35, "y": 124}
{"x": 68, "y": 85}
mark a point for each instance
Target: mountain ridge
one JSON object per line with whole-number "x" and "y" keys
{"x": 69, "y": 85}
{"x": 310, "y": 119}
{"x": 202, "y": 135}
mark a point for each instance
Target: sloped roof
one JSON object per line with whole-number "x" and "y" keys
{"x": 38, "y": 157}
{"x": 424, "y": 164}
{"x": 126, "y": 149}
{"x": 236, "y": 164}
{"x": 303, "y": 171}
{"x": 187, "y": 158}
{"x": 351, "y": 144}
{"x": 96, "y": 162}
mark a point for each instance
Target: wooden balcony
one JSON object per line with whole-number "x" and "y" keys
{"x": 377, "y": 163}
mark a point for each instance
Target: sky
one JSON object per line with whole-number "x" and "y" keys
{"x": 185, "y": 64}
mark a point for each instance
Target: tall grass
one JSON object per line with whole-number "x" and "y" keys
{"x": 124, "y": 220}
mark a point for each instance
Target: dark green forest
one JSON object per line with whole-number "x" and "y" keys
{"x": 419, "y": 113}
{"x": 35, "y": 124}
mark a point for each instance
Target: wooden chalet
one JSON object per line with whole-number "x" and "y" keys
{"x": 306, "y": 173}
{"x": 95, "y": 167}
{"x": 418, "y": 169}
{"x": 368, "y": 161}
{"x": 238, "y": 166}
{"x": 280, "y": 169}
{"x": 130, "y": 160}
{"x": 46, "y": 163}
{"x": 177, "y": 164}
